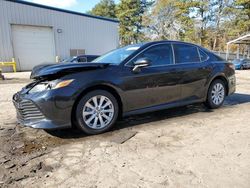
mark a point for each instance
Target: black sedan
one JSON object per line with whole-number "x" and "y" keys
{"x": 130, "y": 80}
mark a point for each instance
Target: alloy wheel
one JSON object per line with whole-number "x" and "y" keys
{"x": 98, "y": 112}
{"x": 218, "y": 93}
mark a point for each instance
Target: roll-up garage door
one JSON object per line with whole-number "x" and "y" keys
{"x": 32, "y": 45}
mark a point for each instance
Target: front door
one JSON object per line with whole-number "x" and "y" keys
{"x": 154, "y": 85}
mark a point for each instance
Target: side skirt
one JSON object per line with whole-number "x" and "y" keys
{"x": 162, "y": 107}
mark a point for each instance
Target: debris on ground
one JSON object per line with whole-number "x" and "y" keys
{"x": 188, "y": 146}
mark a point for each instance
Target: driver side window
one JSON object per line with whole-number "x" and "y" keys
{"x": 159, "y": 55}
{"x": 82, "y": 60}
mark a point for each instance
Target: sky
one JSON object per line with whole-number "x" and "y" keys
{"x": 73, "y": 5}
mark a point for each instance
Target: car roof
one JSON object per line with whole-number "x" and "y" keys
{"x": 173, "y": 41}
{"x": 85, "y": 56}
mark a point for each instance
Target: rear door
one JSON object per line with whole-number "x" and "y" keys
{"x": 194, "y": 70}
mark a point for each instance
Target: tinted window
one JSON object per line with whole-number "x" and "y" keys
{"x": 82, "y": 59}
{"x": 203, "y": 55}
{"x": 186, "y": 53}
{"x": 158, "y": 55}
{"x": 92, "y": 58}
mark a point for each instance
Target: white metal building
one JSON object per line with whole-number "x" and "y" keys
{"x": 34, "y": 34}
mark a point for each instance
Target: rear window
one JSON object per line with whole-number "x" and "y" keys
{"x": 185, "y": 53}
{"x": 203, "y": 55}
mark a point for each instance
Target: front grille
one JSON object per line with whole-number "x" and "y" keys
{"x": 27, "y": 111}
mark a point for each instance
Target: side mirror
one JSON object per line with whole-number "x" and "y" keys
{"x": 140, "y": 63}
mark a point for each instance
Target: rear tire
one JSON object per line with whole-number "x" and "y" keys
{"x": 216, "y": 94}
{"x": 96, "y": 112}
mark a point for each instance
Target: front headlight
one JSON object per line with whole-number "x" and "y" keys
{"x": 39, "y": 87}
{"x": 63, "y": 83}
{"x": 42, "y": 86}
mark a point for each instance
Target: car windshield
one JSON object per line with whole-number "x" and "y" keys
{"x": 118, "y": 55}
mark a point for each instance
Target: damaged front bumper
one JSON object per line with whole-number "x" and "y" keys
{"x": 43, "y": 110}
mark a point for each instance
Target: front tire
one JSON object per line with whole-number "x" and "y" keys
{"x": 216, "y": 94}
{"x": 96, "y": 112}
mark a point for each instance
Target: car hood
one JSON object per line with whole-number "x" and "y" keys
{"x": 47, "y": 71}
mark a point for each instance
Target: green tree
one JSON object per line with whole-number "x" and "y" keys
{"x": 184, "y": 11}
{"x": 105, "y": 8}
{"x": 219, "y": 15}
{"x": 170, "y": 19}
{"x": 162, "y": 22}
{"x": 130, "y": 14}
{"x": 235, "y": 22}
{"x": 243, "y": 15}
{"x": 210, "y": 23}
{"x": 201, "y": 14}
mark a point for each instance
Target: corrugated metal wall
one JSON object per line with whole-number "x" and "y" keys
{"x": 96, "y": 36}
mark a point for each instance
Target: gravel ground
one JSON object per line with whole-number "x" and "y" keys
{"x": 183, "y": 147}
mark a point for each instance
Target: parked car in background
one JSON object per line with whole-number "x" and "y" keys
{"x": 80, "y": 59}
{"x": 241, "y": 64}
{"x": 74, "y": 59}
{"x": 131, "y": 80}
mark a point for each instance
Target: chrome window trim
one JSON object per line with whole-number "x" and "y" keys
{"x": 173, "y": 54}
{"x": 199, "y": 54}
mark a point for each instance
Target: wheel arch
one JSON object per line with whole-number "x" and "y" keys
{"x": 107, "y": 88}
{"x": 222, "y": 78}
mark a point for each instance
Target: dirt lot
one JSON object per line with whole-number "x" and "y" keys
{"x": 184, "y": 147}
